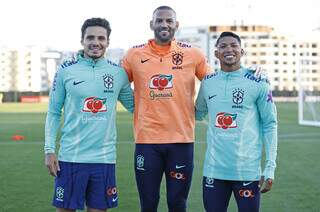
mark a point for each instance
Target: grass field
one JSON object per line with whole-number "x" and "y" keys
{"x": 25, "y": 185}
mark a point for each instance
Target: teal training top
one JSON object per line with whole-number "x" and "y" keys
{"x": 242, "y": 121}
{"x": 88, "y": 91}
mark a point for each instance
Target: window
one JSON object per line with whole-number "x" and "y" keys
{"x": 314, "y": 54}
{"x": 212, "y": 28}
{"x": 276, "y": 62}
{"x": 244, "y": 28}
{"x": 276, "y": 53}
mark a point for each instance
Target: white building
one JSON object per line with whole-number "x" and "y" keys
{"x": 279, "y": 55}
{"x": 33, "y": 68}
{"x": 27, "y": 68}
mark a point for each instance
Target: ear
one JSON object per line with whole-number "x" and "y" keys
{"x": 81, "y": 42}
{"x": 242, "y": 52}
{"x": 216, "y": 53}
{"x": 151, "y": 25}
{"x": 177, "y": 24}
{"x": 108, "y": 42}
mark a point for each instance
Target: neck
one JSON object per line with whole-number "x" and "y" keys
{"x": 160, "y": 43}
{"x": 230, "y": 68}
{"x": 92, "y": 58}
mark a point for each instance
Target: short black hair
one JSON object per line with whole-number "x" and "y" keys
{"x": 95, "y": 22}
{"x": 164, "y": 7}
{"x": 228, "y": 34}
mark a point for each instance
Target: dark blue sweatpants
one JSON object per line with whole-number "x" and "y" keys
{"x": 217, "y": 193}
{"x": 151, "y": 161}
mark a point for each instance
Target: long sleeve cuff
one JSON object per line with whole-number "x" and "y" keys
{"x": 268, "y": 173}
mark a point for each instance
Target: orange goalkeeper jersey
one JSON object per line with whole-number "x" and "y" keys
{"x": 164, "y": 89}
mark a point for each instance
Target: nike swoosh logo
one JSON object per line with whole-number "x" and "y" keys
{"x": 210, "y": 97}
{"x": 143, "y": 61}
{"x": 114, "y": 199}
{"x": 180, "y": 167}
{"x": 246, "y": 183}
{"x": 76, "y": 83}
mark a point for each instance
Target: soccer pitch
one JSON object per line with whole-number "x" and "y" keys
{"x": 26, "y": 186}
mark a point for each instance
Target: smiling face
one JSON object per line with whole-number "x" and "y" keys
{"x": 164, "y": 25}
{"x": 229, "y": 53}
{"x": 95, "y": 42}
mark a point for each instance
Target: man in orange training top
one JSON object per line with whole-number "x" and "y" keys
{"x": 163, "y": 72}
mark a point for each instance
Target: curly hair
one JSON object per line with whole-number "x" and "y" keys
{"x": 95, "y": 22}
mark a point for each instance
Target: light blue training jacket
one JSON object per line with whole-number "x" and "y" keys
{"x": 242, "y": 122}
{"x": 87, "y": 90}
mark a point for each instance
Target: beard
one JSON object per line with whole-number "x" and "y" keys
{"x": 164, "y": 39}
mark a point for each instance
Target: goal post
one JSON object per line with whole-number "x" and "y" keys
{"x": 309, "y": 93}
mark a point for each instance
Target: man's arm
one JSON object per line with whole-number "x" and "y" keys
{"x": 126, "y": 94}
{"x": 56, "y": 102}
{"x": 201, "y": 109}
{"x": 202, "y": 66}
{"x": 125, "y": 63}
{"x": 268, "y": 114}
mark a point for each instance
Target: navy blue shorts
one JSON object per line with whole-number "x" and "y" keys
{"x": 80, "y": 183}
{"x": 176, "y": 161}
{"x": 217, "y": 193}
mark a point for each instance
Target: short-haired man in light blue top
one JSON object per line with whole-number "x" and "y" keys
{"x": 87, "y": 89}
{"x": 242, "y": 122}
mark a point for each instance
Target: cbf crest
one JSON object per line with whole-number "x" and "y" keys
{"x": 140, "y": 162}
{"x": 237, "y": 97}
{"x": 177, "y": 60}
{"x": 108, "y": 83}
{"x": 209, "y": 182}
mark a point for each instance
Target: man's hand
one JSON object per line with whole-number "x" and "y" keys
{"x": 259, "y": 72}
{"x": 52, "y": 164}
{"x": 265, "y": 185}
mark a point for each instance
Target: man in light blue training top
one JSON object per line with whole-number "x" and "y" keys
{"x": 242, "y": 121}
{"x": 87, "y": 89}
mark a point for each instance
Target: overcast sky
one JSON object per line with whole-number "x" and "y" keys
{"x": 57, "y": 23}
